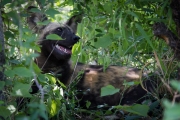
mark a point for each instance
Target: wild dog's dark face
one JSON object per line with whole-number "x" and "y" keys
{"x": 60, "y": 49}
{"x": 57, "y": 49}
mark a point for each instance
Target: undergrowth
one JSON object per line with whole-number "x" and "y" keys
{"x": 112, "y": 33}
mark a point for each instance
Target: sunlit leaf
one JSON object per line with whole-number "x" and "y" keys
{"x": 51, "y": 78}
{"x": 53, "y": 110}
{"x": 53, "y": 106}
{"x": 11, "y": 108}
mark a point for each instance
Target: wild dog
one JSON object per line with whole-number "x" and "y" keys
{"x": 55, "y": 58}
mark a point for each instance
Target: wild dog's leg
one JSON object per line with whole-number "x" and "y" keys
{"x": 137, "y": 94}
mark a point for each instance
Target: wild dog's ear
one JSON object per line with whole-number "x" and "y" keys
{"x": 73, "y": 22}
{"x": 35, "y": 16}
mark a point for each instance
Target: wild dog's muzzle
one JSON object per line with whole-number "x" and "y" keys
{"x": 66, "y": 46}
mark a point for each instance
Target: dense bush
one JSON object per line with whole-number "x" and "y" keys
{"x": 117, "y": 32}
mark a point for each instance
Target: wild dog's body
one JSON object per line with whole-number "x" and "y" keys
{"x": 94, "y": 78}
{"x": 55, "y": 58}
{"x": 91, "y": 78}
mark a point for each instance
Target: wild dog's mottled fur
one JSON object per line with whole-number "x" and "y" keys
{"x": 55, "y": 58}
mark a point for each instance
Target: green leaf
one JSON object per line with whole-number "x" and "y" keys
{"x": 128, "y": 83}
{"x": 133, "y": 14}
{"x": 98, "y": 30}
{"x": 36, "y": 68}
{"x": 2, "y": 83}
{"x": 8, "y": 34}
{"x": 42, "y": 78}
{"x": 9, "y": 73}
{"x": 53, "y": 37}
{"x": 20, "y": 71}
{"x": 64, "y": 110}
{"x": 11, "y": 108}
{"x": 51, "y": 12}
{"x": 43, "y": 22}
{"x": 171, "y": 111}
{"x": 103, "y": 42}
{"x": 1, "y": 102}
{"x": 147, "y": 37}
{"x": 4, "y": 112}
{"x": 107, "y": 7}
{"x": 88, "y": 103}
{"x": 99, "y": 35}
{"x": 23, "y": 72}
{"x": 175, "y": 84}
{"x": 4, "y": 2}
{"x": 138, "y": 109}
{"x": 14, "y": 17}
{"x": 21, "y": 89}
{"x": 51, "y": 78}
{"x": 108, "y": 90}
{"x": 35, "y": 10}
{"x": 53, "y": 107}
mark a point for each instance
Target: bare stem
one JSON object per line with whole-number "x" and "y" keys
{"x": 39, "y": 87}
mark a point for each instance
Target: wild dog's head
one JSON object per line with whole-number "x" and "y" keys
{"x": 56, "y": 49}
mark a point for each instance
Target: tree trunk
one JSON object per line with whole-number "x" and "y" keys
{"x": 2, "y": 56}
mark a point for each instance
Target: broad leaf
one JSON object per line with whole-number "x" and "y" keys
{"x": 175, "y": 84}
{"x": 103, "y": 42}
{"x": 108, "y": 90}
{"x": 171, "y": 111}
{"x": 4, "y": 112}
{"x": 43, "y": 22}
{"x": 11, "y": 108}
{"x": 138, "y": 109}
{"x": 21, "y": 89}
{"x": 2, "y": 83}
{"x": 98, "y": 30}
{"x": 88, "y": 103}
{"x": 35, "y": 10}
{"x": 51, "y": 12}
{"x": 53, "y": 106}
{"x": 20, "y": 71}
{"x": 23, "y": 72}
{"x": 53, "y": 37}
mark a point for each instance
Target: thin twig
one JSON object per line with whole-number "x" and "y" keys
{"x": 39, "y": 87}
{"x": 50, "y": 54}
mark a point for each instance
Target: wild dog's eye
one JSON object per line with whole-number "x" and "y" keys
{"x": 59, "y": 29}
